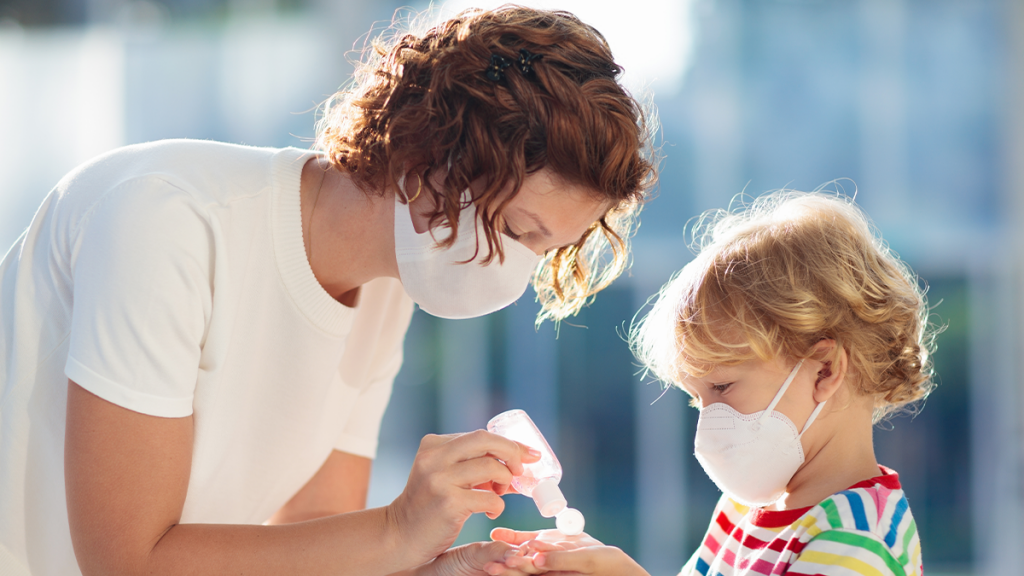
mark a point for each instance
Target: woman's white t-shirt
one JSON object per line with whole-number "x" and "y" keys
{"x": 171, "y": 279}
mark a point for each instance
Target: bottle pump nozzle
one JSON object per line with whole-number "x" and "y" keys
{"x": 549, "y": 498}
{"x": 551, "y": 502}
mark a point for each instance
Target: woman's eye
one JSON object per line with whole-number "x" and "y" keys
{"x": 721, "y": 387}
{"x": 508, "y": 232}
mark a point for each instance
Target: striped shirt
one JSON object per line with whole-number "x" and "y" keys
{"x": 866, "y": 530}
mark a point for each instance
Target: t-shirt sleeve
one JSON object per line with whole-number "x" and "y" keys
{"x": 844, "y": 552}
{"x": 141, "y": 269}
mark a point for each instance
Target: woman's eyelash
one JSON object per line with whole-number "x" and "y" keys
{"x": 510, "y": 233}
{"x": 721, "y": 387}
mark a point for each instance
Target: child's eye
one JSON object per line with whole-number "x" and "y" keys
{"x": 508, "y": 232}
{"x": 721, "y": 387}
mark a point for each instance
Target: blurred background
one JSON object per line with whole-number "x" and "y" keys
{"x": 915, "y": 104}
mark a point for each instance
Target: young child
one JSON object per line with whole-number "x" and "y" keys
{"x": 794, "y": 330}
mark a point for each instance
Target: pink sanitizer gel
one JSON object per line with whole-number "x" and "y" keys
{"x": 540, "y": 479}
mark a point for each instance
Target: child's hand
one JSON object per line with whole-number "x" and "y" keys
{"x": 590, "y": 560}
{"x": 551, "y": 551}
{"x": 520, "y": 560}
{"x": 552, "y": 537}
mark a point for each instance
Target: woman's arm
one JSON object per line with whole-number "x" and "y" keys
{"x": 339, "y": 486}
{"x": 127, "y": 476}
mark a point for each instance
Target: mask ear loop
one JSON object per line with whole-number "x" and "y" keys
{"x": 817, "y": 410}
{"x": 781, "y": 392}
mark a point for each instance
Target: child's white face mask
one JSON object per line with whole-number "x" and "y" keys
{"x": 751, "y": 457}
{"x": 444, "y": 286}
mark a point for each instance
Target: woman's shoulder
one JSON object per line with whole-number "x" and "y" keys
{"x": 216, "y": 171}
{"x": 202, "y": 174}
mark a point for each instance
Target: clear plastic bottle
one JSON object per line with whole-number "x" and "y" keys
{"x": 539, "y": 479}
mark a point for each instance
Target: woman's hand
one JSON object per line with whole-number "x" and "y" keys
{"x": 453, "y": 477}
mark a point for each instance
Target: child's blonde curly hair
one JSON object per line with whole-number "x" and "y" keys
{"x": 773, "y": 278}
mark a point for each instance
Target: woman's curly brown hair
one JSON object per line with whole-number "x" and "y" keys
{"x": 420, "y": 102}
{"x": 774, "y": 278}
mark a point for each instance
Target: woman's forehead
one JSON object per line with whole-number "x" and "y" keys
{"x": 560, "y": 209}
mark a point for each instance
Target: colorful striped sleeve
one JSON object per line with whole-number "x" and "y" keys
{"x": 846, "y": 552}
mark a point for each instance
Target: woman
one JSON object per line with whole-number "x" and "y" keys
{"x": 199, "y": 336}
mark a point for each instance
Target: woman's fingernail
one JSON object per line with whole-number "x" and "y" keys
{"x": 512, "y": 552}
{"x": 539, "y": 560}
{"x": 533, "y": 452}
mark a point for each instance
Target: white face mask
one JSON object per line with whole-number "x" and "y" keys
{"x": 443, "y": 284}
{"x": 751, "y": 457}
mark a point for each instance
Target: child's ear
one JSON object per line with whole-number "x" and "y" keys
{"x": 831, "y": 369}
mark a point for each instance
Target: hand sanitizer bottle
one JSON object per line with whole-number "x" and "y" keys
{"x": 540, "y": 479}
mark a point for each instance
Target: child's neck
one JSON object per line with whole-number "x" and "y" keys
{"x": 839, "y": 456}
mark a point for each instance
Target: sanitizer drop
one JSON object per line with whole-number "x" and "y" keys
{"x": 540, "y": 479}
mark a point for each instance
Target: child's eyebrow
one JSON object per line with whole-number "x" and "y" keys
{"x": 694, "y": 398}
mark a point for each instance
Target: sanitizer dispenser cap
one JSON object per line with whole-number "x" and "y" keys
{"x": 570, "y": 522}
{"x": 548, "y": 497}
